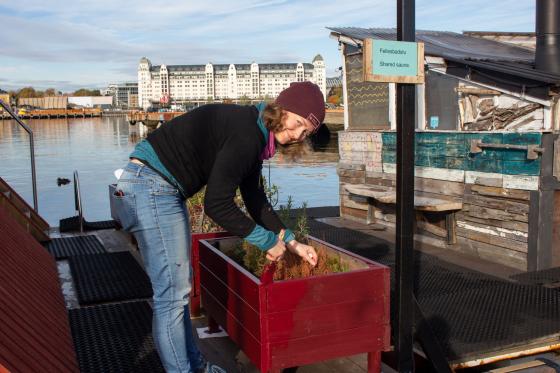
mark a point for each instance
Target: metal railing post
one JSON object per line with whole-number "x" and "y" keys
{"x": 404, "y": 243}
{"x": 32, "y": 149}
{"x": 78, "y": 200}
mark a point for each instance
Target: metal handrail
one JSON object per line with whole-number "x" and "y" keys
{"x": 533, "y": 150}
{"x": 32, "y": 149}
{"x": 78, "y": 200}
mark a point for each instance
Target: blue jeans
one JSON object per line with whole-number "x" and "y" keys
{"x": 154, "y": 212}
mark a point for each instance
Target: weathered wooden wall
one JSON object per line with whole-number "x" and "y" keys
{"x": 451, "y": 104}
{"x": 367, "y": 102}
{"x": 487, "y": 110}
{"x": 494, "y": 186}
{"x": 555, "y": 250}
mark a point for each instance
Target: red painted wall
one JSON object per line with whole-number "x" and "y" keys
{"x": 34, "y": 331}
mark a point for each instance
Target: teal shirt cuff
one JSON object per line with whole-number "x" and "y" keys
{"x": 265, "y": 239}
{"x": 262, "y": 238}
{"x": 289, "y": 235}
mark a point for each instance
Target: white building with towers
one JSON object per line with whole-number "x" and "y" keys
{"x": 210, "y": 82}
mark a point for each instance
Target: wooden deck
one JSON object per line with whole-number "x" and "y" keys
{"x": 220, "y": 350}
{"x": 224, "y": 352}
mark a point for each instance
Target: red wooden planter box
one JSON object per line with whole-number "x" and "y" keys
{"x": 194, "y": 301}
{"x": 297, "y": 322}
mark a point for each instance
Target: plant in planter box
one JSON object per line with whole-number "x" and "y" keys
{"x": 287, "y": 323}
{"x": 200, "y": 223}
{"x": 204, "y": 228}
{"x": 291, "y": 266}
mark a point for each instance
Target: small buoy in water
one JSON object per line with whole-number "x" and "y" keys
{"x": 62, "y": 181}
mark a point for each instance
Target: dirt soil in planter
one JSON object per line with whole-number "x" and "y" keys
{"x": 292, "y": 266}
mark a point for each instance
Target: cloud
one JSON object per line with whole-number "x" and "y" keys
{"x": 64, "y": 85}
{"x": 103, "y": 40}
{"x": 8, "y": 69}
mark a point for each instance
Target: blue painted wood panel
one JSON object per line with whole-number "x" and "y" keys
{"x": 389, "y": 147}
{"x": 489, "y": 160}
{"x": 515, "y": 162}
{"x": 440, "y": 150}
{"x": 452, "y": 150}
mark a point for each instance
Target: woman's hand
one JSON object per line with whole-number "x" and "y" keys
{"x": 305, "y": 251}
{"x": 276, "y": 252}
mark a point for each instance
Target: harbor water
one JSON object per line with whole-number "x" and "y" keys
{"x": 95, "y": 147}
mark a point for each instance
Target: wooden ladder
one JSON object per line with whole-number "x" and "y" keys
{"x": 24, "y": 214}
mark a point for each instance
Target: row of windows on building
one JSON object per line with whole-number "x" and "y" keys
{"x": 180, "y": 83}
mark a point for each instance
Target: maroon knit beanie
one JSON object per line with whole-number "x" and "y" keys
{"x": 304, "y": 99}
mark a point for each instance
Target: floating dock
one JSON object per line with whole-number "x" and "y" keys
{"x": 151, "y": 119}
{"x": 55, "y": 113}
{"x": 333, "y": 116}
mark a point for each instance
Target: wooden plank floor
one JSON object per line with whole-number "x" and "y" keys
{"x": 225, "y": 353}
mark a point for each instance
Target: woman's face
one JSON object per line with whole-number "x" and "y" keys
{"x": 296, "y": 128}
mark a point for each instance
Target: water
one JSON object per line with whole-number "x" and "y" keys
{"x": 95, "y": 147}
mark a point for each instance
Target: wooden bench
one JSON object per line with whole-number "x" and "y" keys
{"x": 421, "y": 203}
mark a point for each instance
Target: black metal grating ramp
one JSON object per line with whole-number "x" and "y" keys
{"x": 109, "y": 277}
{"x": 434, "y": 277}
{"x": 102, "y": 224}
{"x": 72, "y": 224}
{"x": 115, "y": 338}
{"x": 63, "y": 248}
{"x": 542, "y": 277}
{"x": 360, "y": 243}
{"x": 471, "y": 313}
{"x": 489, "y": 319}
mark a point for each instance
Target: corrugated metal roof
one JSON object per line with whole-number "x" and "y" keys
{"x": 221, "y": 67}
{"x": 334, "y": 82}
{"x": 284, "y": 66}
{"x": 465, "y": 49}
{"x": 448, "y": 44}
{"x": 173, "y": 68}
{"x": 34, "y": 330}
{"x": 186, "y": 67}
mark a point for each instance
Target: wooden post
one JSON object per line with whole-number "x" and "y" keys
{"x": 541, "y": 212}
{"x": 374, "y": 362}
{"x": 213, "y": 326}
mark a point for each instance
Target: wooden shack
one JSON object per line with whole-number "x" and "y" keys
{"x": 486, "y": 153}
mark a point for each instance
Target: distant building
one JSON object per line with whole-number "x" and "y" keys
{"x": 334, "y": 82}
{"x": 103, "y": 102}
{"x": 49, "y": 102}
{"x": 122, "y": 92}
{"x": 188, "y": 83}
{"x": 133, "y": 100}
{"x": 334, "y": 91}
{"x": 4, "y": 96}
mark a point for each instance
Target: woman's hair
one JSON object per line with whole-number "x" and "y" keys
{"x": 273, "y": 116}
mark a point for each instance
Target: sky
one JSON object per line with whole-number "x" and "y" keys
{"x": 72, "y": 44}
